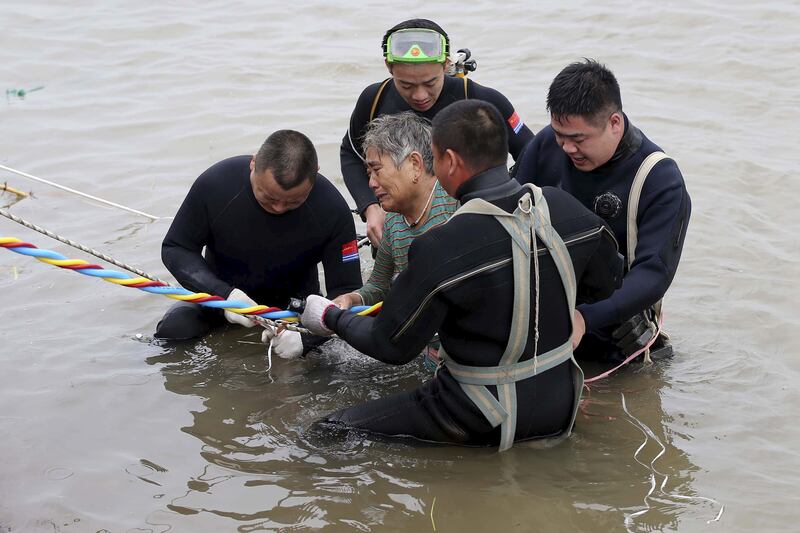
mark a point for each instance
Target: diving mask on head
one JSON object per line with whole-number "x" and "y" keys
{"x": 416, "y": 46}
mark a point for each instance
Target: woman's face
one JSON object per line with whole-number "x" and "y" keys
{"x": 393, "y": 186}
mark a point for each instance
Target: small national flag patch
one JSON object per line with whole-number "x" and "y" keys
{"x": 515, "y": 122}
{"x": 350, "y": 252}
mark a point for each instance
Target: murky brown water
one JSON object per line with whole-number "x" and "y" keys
{"x": 100, "y": 431}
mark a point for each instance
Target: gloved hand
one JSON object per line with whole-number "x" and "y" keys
{"x": 313, "y": 316}
{"x": 633, "y": 334}
{"x": 236, "y": 318}
{"x": 286, "y": 344}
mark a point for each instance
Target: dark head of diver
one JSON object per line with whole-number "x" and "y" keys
{"x": 468, "y": 137}
{"x": 283, "y": 171}
{"x": 586, "y": 113}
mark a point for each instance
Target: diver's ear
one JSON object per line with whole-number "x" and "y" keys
{"x": 617, "y": 123}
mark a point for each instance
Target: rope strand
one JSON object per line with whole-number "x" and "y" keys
{"x": 79, "y": 193}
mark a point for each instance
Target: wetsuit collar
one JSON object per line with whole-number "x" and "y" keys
{"x": 491, "y": 184}
{"x": 628, "y": 145}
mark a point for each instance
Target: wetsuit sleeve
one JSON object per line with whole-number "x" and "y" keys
{"x": 664, "y": 210}
{"x": 531, "y": 168}
{"x": 603, "y": 272}
{"x": 411, "y": 313}
{"x": 526, "y": 164}
{"x": 181, "y": 250}
{"x": 354, "y": 172}
{"x": 376, "y": 287}
{"x": 519, "y": 134}
{"x": 342, "y": 268}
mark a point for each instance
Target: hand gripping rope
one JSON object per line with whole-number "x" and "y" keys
{"x": 268, "y": 315}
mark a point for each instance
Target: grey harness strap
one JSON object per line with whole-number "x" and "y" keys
{"x": 531, "y": 215}
{"x": 633, "y": 201}
{"x": 633, "y": 228}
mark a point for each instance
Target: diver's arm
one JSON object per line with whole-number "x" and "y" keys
{"x": 519, "y": 135}
{"x": 355, "y": 177}
{"x": 354, "y": 172}
{"x": 340, "y": 259}
{"x": 181, "y": 250}
{"x": 604, "y": 269}
{"x": 664, "y": 209}
{"x": 410, "y": 316}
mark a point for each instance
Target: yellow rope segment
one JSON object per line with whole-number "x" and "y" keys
{"x": 125, "y": 282}
{"x": 63, "y": 262}
{"x": 370, "y": 309}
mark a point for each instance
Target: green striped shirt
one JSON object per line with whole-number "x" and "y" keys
{"x": 392, "y": 257}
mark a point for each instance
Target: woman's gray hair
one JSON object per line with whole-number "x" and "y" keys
{"x": 399, "y": 135}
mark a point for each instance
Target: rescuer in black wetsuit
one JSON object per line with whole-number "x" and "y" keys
{"x": 418, "y": 84}
{"x": 460, "y": 282}
{"x": 266, "y": 221}
{"x": 592, "y": 151}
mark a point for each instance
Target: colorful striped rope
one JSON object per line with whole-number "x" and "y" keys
{"x": 159, "y": 287}
{"x": 79, "y": 246}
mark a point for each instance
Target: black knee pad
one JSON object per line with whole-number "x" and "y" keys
{"x": 183, "y": 322}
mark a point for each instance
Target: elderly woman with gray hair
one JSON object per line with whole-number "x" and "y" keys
{"x": 399, "y": 163}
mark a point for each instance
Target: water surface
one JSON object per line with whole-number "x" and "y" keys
{"x": 105, "y": 432}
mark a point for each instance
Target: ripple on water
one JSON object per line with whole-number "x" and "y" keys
{"x": 58, "y": 473}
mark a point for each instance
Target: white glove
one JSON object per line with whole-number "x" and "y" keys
{"x": 287, "y": 344}
{"x": 313, "y": 315}
{"x": 236, "y": 318}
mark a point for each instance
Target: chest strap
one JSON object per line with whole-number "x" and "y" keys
{"x": 530, "y": 217}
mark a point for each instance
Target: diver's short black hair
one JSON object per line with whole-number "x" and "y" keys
{"x": 290, "y": 156}
{"x": 475, "y": 130}
{"x": 416, "y": 23}
{"x": 586, "y": 89}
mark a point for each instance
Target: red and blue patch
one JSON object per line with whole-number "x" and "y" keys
{"x": 515, "y": 122}
{"x": 350, "y": 252}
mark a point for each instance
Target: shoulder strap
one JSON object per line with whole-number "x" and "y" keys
{"x": 361, "y": 119}
{"x": 479, "y": 206}
{"x": 378, "y": 98}
{"x": 633, "y": 201}
{"x": 531, "y": 216}
{"x": 466, "y": 94}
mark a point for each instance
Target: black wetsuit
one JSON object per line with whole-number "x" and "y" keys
{"x": 664, "y": 209}
{"x": 270, "y": 257}
{"x": 444, "y": 289}
{"x": 390, "y": 103}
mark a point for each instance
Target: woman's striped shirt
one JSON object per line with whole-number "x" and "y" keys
{"x": 392, "y": 257}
